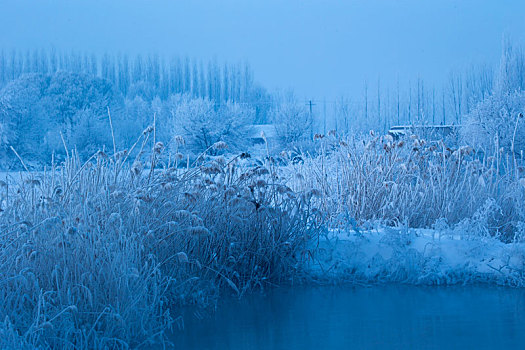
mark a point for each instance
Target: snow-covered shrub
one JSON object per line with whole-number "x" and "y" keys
{"x": 495, "y": 123}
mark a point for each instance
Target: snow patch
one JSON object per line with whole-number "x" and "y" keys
{"x": 416, "y": 256}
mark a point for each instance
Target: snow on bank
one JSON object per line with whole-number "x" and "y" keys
{"x": 417, "y": 257}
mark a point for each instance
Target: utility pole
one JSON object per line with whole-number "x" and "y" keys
{"x": 324, "y": 117}
{"x": 397, "y": 100}
{"x": 379, "y": 101}
{"x": 366, "y": 101}
{"x": 433, "y": 106}
{"x": 443, "y": 106}
{"x": 311, "y": 104}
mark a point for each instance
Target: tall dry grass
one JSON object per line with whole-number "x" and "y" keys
{"x": 416, "y": 183}
{"x": 100, "y": 254}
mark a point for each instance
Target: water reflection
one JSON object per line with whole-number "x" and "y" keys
{"x": 393, "y": 317}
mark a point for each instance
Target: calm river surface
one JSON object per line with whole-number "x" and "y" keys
{"x": 379, "y": 317}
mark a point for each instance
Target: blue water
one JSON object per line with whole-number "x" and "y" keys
{"x": 379, "y": 317}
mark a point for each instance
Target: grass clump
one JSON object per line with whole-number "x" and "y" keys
{"x": 100, "y": 254}
{"x": 416, "y": 183}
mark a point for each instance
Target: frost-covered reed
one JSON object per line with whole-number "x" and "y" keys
{"x": 100, "y": 254}
{"x": 416, "y": 183}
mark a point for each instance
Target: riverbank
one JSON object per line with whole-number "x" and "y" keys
{"x": 104, "y": 253}
{"x": 415, "y": 256}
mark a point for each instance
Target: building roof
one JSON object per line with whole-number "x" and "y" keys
{"x": 255, "y": 131}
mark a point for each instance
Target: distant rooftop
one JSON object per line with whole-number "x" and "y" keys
{"x": 443, "y": 130}
{"x": 255, "y": 131}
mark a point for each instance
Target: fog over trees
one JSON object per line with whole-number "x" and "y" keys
{"x": 52, "y": 101}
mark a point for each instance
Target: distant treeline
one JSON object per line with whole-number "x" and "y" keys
{"x": 145, "y": 76}
{"x": 51, "y": 101}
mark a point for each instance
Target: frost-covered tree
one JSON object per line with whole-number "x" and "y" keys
{"x": 6, "y": 133}
{"x": 494, "y": 121}
{"x": 25, "y": 114}
{"x": 292, "y": 119}
{"x": 203, "y": 123}
{"x": 511, "y": 73}
{"x": 42, "y": 107}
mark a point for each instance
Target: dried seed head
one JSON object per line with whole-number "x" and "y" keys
{"x": 101, "y": 154}
{"x": 118, "y": 195}
{"x": 199, "y": 231}
{"x": 237, "y": 201}
{"x": 32, "y": 182}
{"x": 180, "y": 140}
{"x": 237, "y": 220}
{"x": 229, "y": 192}
{"x": 136, "y": 168}
{"x": 314, "y": 192}
{"x": 465, "y": 150}
{"x": 190, "y": 197}
{"x": 370, "y": 145}
{"x": 283, "y": 189}
{"x": 182, "y": 215}
{"x": 211, "y": 169}
{"x": 220, "y": 145}
{"x": 261, "y": 171}
{"x": 32, "y": 255}
{"x": 196, "y": 220}
{"x": 260, "y": 184}
{"x": 121, "y": 155}
{"x": 114, "y": 219}
{"x": 481, "y": 181}
{"x": 158, "y": 148}
{"x": 167, "y": 186}
{"x": 182, "y": 257}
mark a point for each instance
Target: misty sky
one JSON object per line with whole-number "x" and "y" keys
{"x": 321, "y": 48}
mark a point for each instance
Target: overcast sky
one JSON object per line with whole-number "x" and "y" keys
{"x": 320, "y": 48}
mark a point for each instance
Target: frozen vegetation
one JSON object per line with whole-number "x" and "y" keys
{"x": 105, "y": 236}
